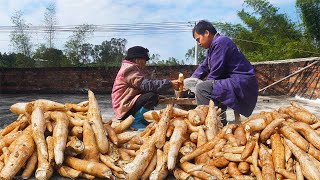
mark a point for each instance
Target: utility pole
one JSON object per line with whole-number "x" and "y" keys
{"x": 195, "y": 50}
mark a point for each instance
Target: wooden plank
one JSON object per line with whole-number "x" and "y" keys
{"x": 181, "y": 101}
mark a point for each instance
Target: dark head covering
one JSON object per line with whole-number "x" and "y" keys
{"x": 137, "y": 52}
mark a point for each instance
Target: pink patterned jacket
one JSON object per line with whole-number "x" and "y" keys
{"x": 130, "y": 84}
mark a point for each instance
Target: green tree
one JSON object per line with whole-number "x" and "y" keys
{"x": 171, "y": 61}
{"x": 20, "y": 37}
{"x": 73, "y": 45}
{"x": 50, "y": 57}
{"x": 154, "y": 58}
{"x": 267, "y": 34}
{"x": 112, "y": 52}
{"x": 8, "y": 60}
{"x": 50, "y": 21}
{"x": 310, "y": 15}
{"x": 86, "y": 51}
{"x": 39, "y": 51}
{"x": 23, "y": 61}
{"x": 273, "y": 34}
{"x": 231, "y": 30}
{"x": 95, "y": 54}
{"x": 191, "y": 54}
{"x": 240, "y": 35}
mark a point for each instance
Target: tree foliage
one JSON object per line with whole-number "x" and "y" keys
{"x": 275, "y": 36}
{"x": 154, "y": 58}
{"x": 310, "y": 15}
{"x": 23, "y": 61}
{"x": 20, "y": 37}
{"x": 73, "y": 45}
{"x": 110, "y": 53}
{"x": 86, "y": 51}
{"x": 266, "y": 34}
{"x": 8, "y": 60}
{"x": 50, "y": 57}
{"x": 50, "y": 21}
{"x": 171, "y": 61}
{"x": 190, "y": 55}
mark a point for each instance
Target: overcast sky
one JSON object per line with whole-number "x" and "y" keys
{"x": 104, "y": 12}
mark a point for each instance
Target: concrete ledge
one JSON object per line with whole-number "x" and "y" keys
{"x": 100, "y": 79}
{"x": 287, "y": 61}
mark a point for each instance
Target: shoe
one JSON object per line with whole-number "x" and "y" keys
{"x": 137, "y": 126}
{"x": 139, "y": 122}
{"x": 223, "y": 118}
{"x": 190, "y": 94}
{"x": 224, "y": 122}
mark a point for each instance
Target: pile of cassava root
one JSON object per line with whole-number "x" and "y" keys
{"x": 72, "y": 140}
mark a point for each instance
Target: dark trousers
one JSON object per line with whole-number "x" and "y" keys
{"x": 148, "y": 100}
{"x": 203, "y": 96}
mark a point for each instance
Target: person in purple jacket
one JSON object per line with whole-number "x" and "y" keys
{"x": 229, "y": 78}
{"x": 132, "y": 93}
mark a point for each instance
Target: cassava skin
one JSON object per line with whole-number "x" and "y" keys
{"x": 24, "y": 149}
{"x": 95, "y": 119}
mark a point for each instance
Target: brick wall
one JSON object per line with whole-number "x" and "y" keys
{"x": 100, "y": 80}
{"x": 305, "y": 84}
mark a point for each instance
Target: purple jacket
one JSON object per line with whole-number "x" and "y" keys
{"x": 129, "y": 84}
{"x": 236, "y": 84}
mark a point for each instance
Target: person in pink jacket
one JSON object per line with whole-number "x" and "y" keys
{"x": 132, "y": 93}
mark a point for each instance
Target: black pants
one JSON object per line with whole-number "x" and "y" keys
{"x": 148, "y": 100}
{"x": 203, "y": 96}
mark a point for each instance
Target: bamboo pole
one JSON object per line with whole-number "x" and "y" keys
{"x": 316, "y": 61}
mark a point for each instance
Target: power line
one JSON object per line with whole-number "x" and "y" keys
{"x": 164, "y": 26}
{"x": 136, "y": 28}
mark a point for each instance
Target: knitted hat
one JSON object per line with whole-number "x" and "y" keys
{"x": 137, "y": 52}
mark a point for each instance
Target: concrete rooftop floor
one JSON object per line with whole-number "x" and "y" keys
{"x": 265, "y": 103}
